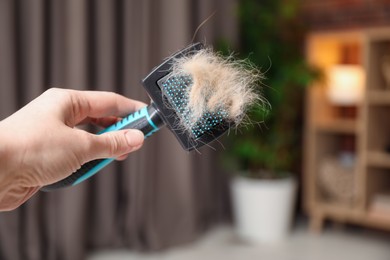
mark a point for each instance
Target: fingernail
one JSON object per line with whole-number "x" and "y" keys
{"x": 134, "y": 137}
{"x": 135, "y": 148}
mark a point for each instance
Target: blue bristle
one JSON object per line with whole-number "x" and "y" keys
{"x": 176, "y": 90}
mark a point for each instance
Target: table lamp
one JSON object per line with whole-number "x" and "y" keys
{"x": 346, "y": 85}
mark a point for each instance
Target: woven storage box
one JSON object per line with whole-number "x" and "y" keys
{"x": 336, "y": 181}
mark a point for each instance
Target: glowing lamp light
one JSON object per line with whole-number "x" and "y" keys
{"x": 346, "y": 84}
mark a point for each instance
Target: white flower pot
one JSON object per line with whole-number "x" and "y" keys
{"x": 263, "y": 209}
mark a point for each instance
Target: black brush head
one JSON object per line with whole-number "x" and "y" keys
{"x": 170, "y": 96}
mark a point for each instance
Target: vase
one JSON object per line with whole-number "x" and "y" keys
{"x": 263, "y": 209}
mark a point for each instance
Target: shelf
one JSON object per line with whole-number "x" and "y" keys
{"x": 344, "y": 213}
{"x": 374, "y": 219}
{"x": 329, "y": 130}
{"x": 339, "y": 211}
{"x": 378, "y": 159}
{"x": 342, "y": 126}
{"x": 378, "y": 97}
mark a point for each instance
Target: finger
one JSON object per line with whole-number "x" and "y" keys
{"x": 16, "y": 196}
{"x": 122, "y": 157}
{"x": 101, "y": 104}
{"x": 105, "y": 121}
{"x": 114, "y": 144}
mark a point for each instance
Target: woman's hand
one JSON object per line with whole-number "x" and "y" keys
{"x": 39, "y": 144}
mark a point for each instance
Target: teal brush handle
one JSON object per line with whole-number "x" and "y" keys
{"x": 146, "y": 119}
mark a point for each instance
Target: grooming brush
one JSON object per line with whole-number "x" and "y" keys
{"x": 169, "y": 106}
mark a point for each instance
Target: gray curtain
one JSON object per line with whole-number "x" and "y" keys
{"x": 160, "y": 196}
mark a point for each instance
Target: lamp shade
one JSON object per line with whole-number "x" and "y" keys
{"x": 346, "y": 84}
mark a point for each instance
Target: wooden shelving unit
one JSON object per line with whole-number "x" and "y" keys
{"x": 370, "y": 129}
{"x": 337, "y": 126}
{"x": 378, "y": 159}
{"x": 378, "y": 97}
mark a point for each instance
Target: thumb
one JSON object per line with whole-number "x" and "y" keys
{"x": 116, "y": 143}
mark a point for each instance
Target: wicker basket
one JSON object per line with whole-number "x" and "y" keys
{"x": 336, "y": 181}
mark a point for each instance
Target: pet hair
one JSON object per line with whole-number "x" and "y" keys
{"x": 219, "y": 84}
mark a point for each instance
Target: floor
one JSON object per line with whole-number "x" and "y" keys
{"x": 221, "y": 243}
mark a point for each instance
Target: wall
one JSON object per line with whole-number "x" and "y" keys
{"x": 337, "y": 14}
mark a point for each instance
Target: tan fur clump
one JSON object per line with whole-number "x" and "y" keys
{"x": 219, "y": 83}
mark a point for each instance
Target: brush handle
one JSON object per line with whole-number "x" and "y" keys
{"x": 146, "y": 119}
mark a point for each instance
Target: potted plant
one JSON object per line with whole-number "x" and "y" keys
{"x": 265, "y": 157}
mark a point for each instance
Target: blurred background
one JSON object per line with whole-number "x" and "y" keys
{"x": 307, "y": 179}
